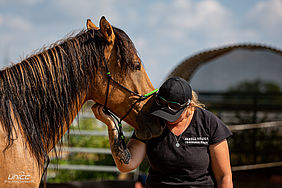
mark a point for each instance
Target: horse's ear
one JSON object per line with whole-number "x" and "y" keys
{"x": 91, "y": 25}
{"x": 107, "y": 30}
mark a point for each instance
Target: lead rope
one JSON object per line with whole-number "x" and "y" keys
{"x": 107, "y": 111}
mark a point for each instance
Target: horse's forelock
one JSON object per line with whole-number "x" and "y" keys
{"x": 126, "y": 50}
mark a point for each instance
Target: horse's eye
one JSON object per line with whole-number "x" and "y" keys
{"x": 137, "y": 66}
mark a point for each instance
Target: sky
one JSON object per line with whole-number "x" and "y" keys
{"x": 165, "y": 32}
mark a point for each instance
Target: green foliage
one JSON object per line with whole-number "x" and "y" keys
{"x": 248, "y": 98}
{"x": 256, "y": 86}
{"x": 76, "y": 175}
{"x": 255, "y": 146}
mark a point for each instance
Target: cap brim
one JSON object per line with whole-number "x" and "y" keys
{"x": 165, "y": 113}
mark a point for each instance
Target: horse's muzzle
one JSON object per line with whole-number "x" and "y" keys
{"x": 148, "y": 125}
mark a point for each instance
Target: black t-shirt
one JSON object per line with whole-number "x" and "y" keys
{"x": 189, "y": 164}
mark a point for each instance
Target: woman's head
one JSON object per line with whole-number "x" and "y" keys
{"x": 174, "y": 96}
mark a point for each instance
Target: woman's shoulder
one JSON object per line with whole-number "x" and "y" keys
{"x": 212, "y": 125}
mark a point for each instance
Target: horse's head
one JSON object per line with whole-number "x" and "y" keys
{"x": 125, "y": 67}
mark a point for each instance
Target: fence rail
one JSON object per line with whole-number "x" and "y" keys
{"x": 99, "y": 168}
{"x": 94, "y": 133}
{"x": 255, "y": 126}
{"x": 86, "y": 150}
{"x": 256, "y": 166}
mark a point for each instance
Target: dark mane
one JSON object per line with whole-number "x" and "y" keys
{"x": 44, "y": 91}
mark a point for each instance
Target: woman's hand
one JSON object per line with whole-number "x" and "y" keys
{"x": 126, "y": 158}
{"x": 100, "y": 114}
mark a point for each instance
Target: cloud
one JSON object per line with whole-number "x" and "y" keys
{"x": 13, "y": 28}
{"x": 28, "y": 2}
{"x": 196, "y": 16}
{"x": 21, "y": 2}
{"x": 16, "y": 23}
{"x": 266, "y": 17}
{"x": 18, "y": 37}
{"x": 188, "y": 16}
{"x": 179, "y": 26}
{"x": 88, "y": 8}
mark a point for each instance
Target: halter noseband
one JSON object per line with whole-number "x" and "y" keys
{"x": 107, "y": 111}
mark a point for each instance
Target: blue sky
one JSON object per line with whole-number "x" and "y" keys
{"x": 164, "y": 32}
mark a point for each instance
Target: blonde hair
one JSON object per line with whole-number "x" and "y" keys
{"x": 195, "y": 101}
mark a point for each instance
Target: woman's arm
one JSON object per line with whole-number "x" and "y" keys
{"x": 128, "y": 158}
{"x": 220, "y": 162}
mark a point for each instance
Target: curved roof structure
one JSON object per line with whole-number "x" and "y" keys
{"x": 188, "y": 67}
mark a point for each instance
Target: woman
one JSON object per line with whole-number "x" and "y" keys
{"x": 192, "y": 151}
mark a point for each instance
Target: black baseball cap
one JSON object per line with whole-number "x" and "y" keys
{"x": 174, "y": 89}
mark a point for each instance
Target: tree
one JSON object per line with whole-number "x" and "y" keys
{"x": 255, "y": 97}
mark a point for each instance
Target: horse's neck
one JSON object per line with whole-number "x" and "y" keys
{"x": 71, "y": 100}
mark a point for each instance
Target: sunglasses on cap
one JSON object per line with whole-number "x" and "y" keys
{"x": 171, "y": 105}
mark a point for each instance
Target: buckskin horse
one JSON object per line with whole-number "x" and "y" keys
{"x": 41, "y": 95}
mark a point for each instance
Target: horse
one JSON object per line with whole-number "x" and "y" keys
{"x": 41, "y": 95}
